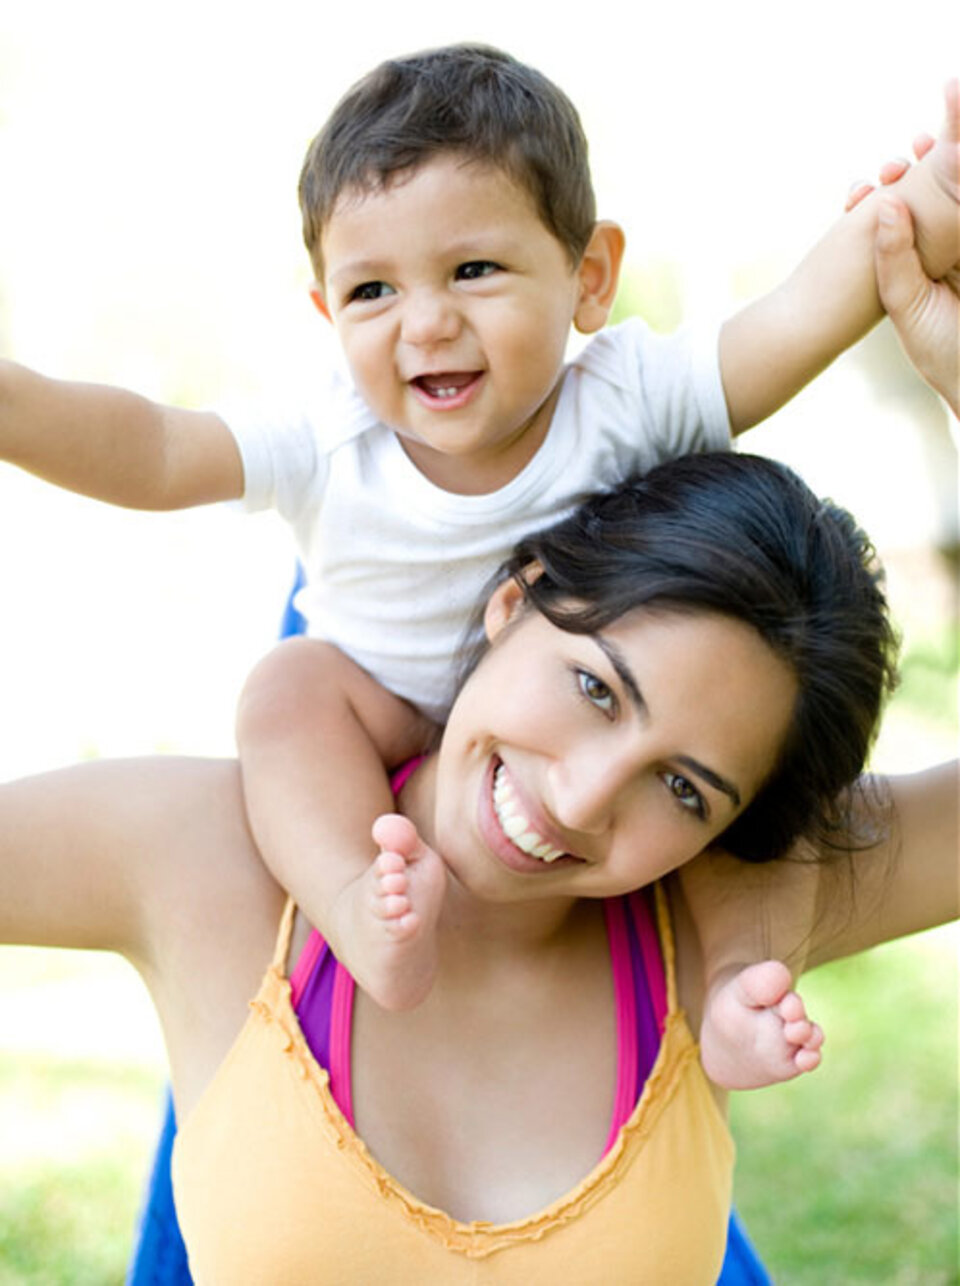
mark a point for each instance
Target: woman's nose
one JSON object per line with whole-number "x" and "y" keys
{"x": 429, "y": 317}
{"x": 587, "y": 789}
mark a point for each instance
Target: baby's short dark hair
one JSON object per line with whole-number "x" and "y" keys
{"x": 469, "y": 100}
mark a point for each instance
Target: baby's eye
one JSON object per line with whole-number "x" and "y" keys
{"x": 368, "y": 290}
{"x": 476, "y": 269}
{"x": 686, "y": 794}
{"x": 597, "y": 692}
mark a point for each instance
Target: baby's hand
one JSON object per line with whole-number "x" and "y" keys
{"x": 756, "y": 1031}
{"x": 943, "y": 156}
{"x": 890, "y": 172}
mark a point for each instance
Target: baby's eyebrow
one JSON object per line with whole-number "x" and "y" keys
{"x": 631, "y": 686}
{"x": 357, "y": 270}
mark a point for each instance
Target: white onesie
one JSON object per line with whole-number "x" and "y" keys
{"x": 395, "y": 565}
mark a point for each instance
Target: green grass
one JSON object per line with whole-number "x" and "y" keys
{"x": 80, "y": 1086}
{"x": 850, "y": 1175}
{"x": 77, "y": 1138}
{"x": 928, "y": 677}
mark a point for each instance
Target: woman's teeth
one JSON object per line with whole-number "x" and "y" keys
{"x": 515, "y": 824}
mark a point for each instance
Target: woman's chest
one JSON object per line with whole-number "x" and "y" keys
{"x": 493, "y": 1106}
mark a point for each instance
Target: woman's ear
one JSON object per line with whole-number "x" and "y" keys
{"x": 599, "y": 274}
{"x": 316, "y": 294}
{"x": 507, "y": 601}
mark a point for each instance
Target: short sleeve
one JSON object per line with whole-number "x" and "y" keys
{"x": 681, "y": 387}
{"x": 286, "y": 449}
{"x": 667, "y": 388}
{"x": 284, "y": 462}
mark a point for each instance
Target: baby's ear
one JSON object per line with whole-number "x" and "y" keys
{"x": 599, "y": 273}
{"x": 316, "y": 294}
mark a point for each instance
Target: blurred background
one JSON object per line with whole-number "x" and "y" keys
{"x": 149, "y": 236}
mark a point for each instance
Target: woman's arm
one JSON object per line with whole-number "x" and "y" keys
{"x": 908, "y": 882}
{"x": 811, "y": 907}
{"x": 71, "y": 849}
{"x": 118, "y": 855}
{"x": 151, "y": 858}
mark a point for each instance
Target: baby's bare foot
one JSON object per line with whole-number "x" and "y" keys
{"x": 756, "y": 1030}
{"x": 389, "y": 917}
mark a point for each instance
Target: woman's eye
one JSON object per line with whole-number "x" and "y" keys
{"x": 597, "y": 692}
{"x": 685, "y": 793}
{"x": 370, "y": 290}
{"x": 476, "y": 269}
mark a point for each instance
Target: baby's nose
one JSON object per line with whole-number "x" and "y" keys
{"x": 428, "y": 318}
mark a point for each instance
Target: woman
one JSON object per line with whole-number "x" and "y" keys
{"x": 699, "y": 658}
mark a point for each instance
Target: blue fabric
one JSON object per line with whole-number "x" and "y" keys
{"x": 292, "y": 622}
{"x": 741, "y": 1263}
{"x": 159, "y": 1255}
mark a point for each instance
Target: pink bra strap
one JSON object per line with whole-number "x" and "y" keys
{"x": 625, "y": 1004}
{"x": 341, "y": 1026}
{"x": 400, "y": 776}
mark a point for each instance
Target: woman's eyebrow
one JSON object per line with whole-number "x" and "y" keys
{"x": 713, "y": 778}
{"x": 623, "y": 671}
{"x": 632, "y": 688}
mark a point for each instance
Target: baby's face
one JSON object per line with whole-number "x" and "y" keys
{"x": 453, "y": 303}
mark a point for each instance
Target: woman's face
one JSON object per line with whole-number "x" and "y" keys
{"x": 589, "y": 765}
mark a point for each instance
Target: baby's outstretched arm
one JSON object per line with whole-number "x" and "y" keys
{"x": 775, "y": 345}
{"x": 115, "y": 445}
{"x": 314, "y": 733}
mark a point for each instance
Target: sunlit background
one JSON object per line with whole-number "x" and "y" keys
{"x": 149, "y": 237}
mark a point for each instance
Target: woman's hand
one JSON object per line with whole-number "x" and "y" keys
{"x": 925, "y": 313}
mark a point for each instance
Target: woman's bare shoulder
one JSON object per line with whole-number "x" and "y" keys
{"x": 116, "y": 854}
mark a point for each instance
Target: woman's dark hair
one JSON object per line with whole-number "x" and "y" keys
{"x": 469, "y": 100}
{"x": 744, "y": 537}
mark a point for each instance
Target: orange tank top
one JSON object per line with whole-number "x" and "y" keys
{"x": 273, "y": 1187}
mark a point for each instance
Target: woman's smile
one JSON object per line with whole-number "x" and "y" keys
{"x": 515, "y": 829}
{"x": 515, "y": 822}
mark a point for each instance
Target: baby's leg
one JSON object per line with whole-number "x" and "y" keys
{"x": 755, "y": 1029}
{"x": 389, "y": 916}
